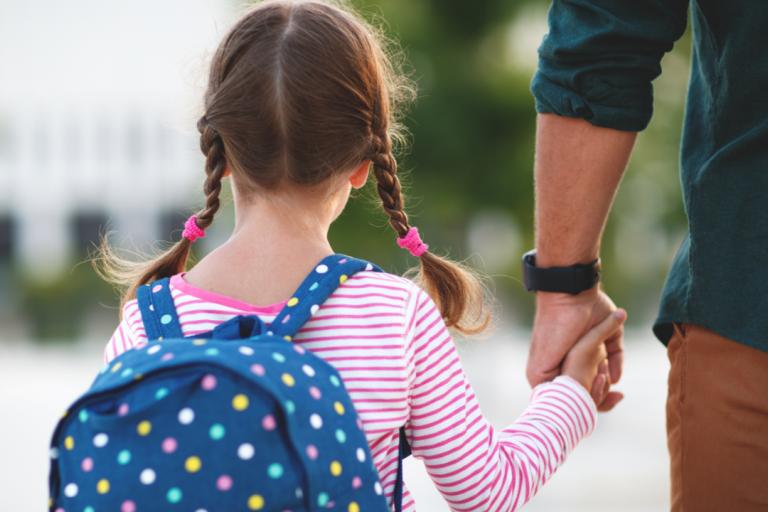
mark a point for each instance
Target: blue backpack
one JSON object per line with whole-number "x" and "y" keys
{"x": 236, "y": 419}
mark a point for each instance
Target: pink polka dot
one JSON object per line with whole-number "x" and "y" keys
{"x": 224, "y": 483}
{"x": 312, "y": 451}
{"x": 167, "y": 357}
{"x": 299, "y": 349}
{"x": 269, "y": 422}
{"x": 343, "y": 260}
{"x": 128, "y": 506}
{"x": 87, "y": 464}
{"x": 357, "y": 483}
{"x": 122, "y": 410}
{"x": 257, "y": 369}
{"x": 208, "y": 382}
{"x": 286, "y": 318}
{"x": 157, "y": 288}
{"x": 169, "y": 445}
{"x": 315, "y": 393}
{"x": 59, "y": 510}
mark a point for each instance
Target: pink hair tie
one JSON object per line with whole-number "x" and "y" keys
{"x": 412, "y": 241}
{"x": 191, "y": 230}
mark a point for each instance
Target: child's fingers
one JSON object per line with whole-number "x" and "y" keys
{"x": 598, "y": 388}
{"x": 605, "y": 329}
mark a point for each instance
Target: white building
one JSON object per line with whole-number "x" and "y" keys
{"x": 98, "y": 104}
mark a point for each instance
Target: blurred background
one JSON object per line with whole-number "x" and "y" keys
{"x": 98, "y": 103}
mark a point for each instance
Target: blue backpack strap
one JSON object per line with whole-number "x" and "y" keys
{"x": 327, "y": 275}
{"x": 403, "y": 451}
{"x": 157, "y": 310}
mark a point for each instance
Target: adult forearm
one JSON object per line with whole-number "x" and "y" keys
{"x": 578, "y": 169}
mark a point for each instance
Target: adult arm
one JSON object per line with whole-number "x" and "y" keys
{"x": 593, "y": 93}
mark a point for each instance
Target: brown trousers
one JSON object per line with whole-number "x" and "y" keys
{"x": 717, "y": 423}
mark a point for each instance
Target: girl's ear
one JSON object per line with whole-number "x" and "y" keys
{"x": 359, "y": 176}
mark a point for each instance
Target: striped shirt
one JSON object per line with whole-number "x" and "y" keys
{"x": 388, "y": 341}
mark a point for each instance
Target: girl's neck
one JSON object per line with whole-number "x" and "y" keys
{"x": 274, "y": 244}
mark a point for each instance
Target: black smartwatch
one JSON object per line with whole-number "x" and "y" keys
{"x": 574, "y": 279}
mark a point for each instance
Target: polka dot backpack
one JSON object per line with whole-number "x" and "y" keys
{"x": 236, "y": 419}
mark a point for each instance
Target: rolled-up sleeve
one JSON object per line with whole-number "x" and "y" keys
{"x": 599, "y": 58}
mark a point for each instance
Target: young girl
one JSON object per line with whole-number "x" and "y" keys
{"x": 298, "y": 109}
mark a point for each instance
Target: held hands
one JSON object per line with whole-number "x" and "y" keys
{"x": 587, "y": 361}
{"x": 564, "y": 322}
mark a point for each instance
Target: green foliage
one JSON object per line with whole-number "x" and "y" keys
{"x": 56, "y": 309}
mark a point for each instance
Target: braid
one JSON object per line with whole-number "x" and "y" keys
{"x": 457, "y": 291}
{"x": 212, "y": 146}
{"x": 388, "y": 184}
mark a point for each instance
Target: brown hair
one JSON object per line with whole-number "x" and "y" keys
{"x": 297, "y": 92}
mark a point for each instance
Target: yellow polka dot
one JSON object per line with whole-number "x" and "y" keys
{"x": 102, "y": 487}
{"x": 144, "y": 428}
{"x": 50, "y": 502}
{"x": 199, "y": 341}
{"x": 193, "y": 464}
{"x": 138, "y": 376}
{"x": 69, "y": 443}
{"x": 339, "y": 408}
{"x": 342, "y": 278}
{"x": 117, "y": 366}
{"x": 256, "y": 502}
{"x": 353, "y": 507}
{"x": 64, "y": 415}
{"x": 240, "y": 402}
{"x": 287, "y": 338}
{"x": 335, "y": 468}
{"x": 288, "y": 379}
{"x": 292, "y": 302}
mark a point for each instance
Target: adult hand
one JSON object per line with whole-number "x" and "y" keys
{"x": 561, "y": 320}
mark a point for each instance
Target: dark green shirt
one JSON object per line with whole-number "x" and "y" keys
{"x": 597, "y": 63}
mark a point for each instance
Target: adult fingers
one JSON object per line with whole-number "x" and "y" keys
{"x": 610, "y": 401}
{"x": 615, "y": 348}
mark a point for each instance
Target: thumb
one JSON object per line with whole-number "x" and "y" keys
{"x": 604, "y": 330}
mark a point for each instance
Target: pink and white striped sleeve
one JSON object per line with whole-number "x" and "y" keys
{"x": 129, "y": 333}
{"x": 474, "y": 467}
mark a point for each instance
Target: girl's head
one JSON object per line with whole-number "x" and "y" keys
{"x": 299, "y": 94}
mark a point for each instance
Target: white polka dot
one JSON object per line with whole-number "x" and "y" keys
{"x": 369, "y": 267}
{"x": 147, "y": 476}
{"x": 100, "y": 440}
{"x": 70, "y": 491}
{"x": 245, "y": 451}
{"x": 54, "y": 453}
{"x": 314, "y": 309}
{"x": 316, "y": 421}
{"x": 270, "y": 333}
{"x": 321, "y": 269}
{"x": 360, "y": 455}
{"x": 186, "y": 416}
{"x": 377, "y": 488}
{"x": 299, "y": 493}
{"x": 154, "y": 349}
{"x": 201, "y": 510}
{"x": 308, "y": 370}
{"x": 246, "y": 351}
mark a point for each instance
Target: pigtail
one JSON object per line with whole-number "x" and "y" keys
{"x": 457, "y": 291}
{"x": 128, "y": 275}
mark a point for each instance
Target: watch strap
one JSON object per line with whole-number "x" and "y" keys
{"x": 573, "y": 279}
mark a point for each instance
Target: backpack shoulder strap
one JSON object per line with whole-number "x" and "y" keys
{"x": 327, "y": 275}
{"x": 157, "y": 310}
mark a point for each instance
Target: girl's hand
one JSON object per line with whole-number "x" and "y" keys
{"x": 586, "y": 362}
